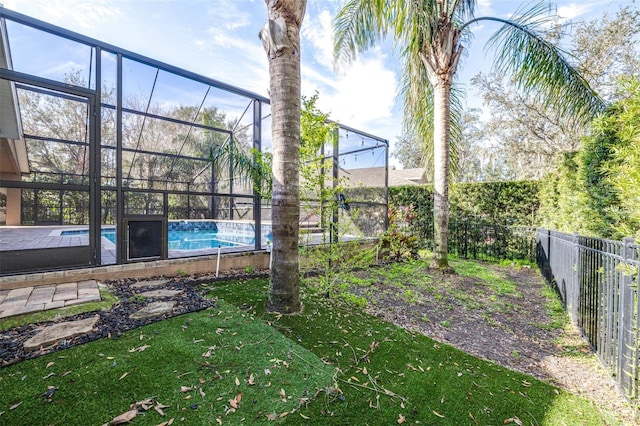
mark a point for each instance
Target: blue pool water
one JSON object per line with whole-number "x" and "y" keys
{"x": 184, "y": 240}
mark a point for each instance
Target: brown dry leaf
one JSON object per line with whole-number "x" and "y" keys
{"x": 252, "y": 380}
{"x": 146, "y": 404}
{"x": 218, "y": 420}
{"x": 304, "y": 417}
{"x": 202, "y": 394}
{"x": 355, "y": 379}
{"x": 513, "y": 420}
{"x": 207, "y": 354}
{"x": 50, "y": 364}
{"x": 237, "y": 382}
{"x": 158, "y": 409}
{"x": 233, "y": 404}
{"x": 283, "y": 395}
{"x": 14, "y": 406}
{"x": 272, "y": 417}
{"x": 286, "y": 413}
{"x": 364, "y": 371}
{"x": 437, "y": 414}
{"x": 124, "y": 417}
{"x": 66, "y": 373}
{"x": 401, "y": 419}
{"x": 48, "y": 375}
{"x": 185, "y": 389}
{"x": 219, "y": 330}
{"x": 267, "y": 372}
{"x": 525, "y": 383}
{"x": 124, "y": 375}
{"x": 201, "y": 380}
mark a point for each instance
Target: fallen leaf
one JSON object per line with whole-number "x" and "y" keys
{"x": 286, "y": 413}
{"x": 237, "y": 382}
{"x": 272, "y": 417}
{"x": 304, "y": 417}
{"x": 140, "y": 348}
{"x": 267, "y": 372}
{"x": 123, "y": 376}
{"x": 185, "y": 389}
{"x": 202, "y": 394}
{"x": 66, "y": 373}
{"x": 438, "y": 414}
{"x": 218, "y": 420}
{"x": 207, "y": 354}
{"x": 48, "y": 375}
{"x": 124, "y": 417}
{"x": 50, "y": 364}
{"x": 364, "y": 371}
{"x": 513, "y": 420}
{"x": 251, "y": 381}
{"x": 158, "y": 409}
{"x": 14, "y": 406}
{"x": 401, "y": 419}
{"x": 283, "y": 395}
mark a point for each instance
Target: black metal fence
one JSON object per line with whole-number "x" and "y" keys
{"x": 484, "y": 241}
{"x": 598, "y": 281}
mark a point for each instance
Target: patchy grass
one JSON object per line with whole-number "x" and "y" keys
{"x": 331, "y": 364}
{"x": 192, "y": 366}
{"x": 487, "y": 276}
{"x": 386, "y": 375}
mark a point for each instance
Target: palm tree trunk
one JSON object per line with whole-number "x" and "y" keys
{"x": 441, "y": 158}
{"x": 281, "y": 40}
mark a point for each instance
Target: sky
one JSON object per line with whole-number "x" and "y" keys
{"x": 219, "y": 39}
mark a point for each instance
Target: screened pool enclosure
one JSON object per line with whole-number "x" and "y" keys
{"x": 105, "y": 158}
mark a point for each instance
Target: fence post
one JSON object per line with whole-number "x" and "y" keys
{"x": 575, "y": 290}
{"x": 625, "y": 327}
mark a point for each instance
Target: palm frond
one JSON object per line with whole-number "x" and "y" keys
{"x": 359, "y": 25}
{"x": 535, "y": 64}
{"x": 417, "y": 93}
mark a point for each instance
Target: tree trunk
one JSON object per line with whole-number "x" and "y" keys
{"x": 281, "y": 40}
{"x": 441, "y": 159}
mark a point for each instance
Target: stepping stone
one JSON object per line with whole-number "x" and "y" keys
{"x": 61, "y": 331}
{"x": 161, "y": 293}
{"x": 149, "y": 283}
{"x": 153, "y": 309}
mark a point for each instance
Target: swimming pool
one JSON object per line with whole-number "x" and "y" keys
{"x": 187, "y": 240}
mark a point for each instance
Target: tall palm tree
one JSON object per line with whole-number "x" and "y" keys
{"x": 431, "y": 35}
{"x": 281, "y": 40}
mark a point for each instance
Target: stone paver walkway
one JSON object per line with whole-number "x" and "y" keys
{"x": 41, "y": 298}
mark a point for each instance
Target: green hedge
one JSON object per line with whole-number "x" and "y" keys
{"x": 483, "y": 207}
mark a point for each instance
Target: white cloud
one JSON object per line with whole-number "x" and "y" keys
{"x": 319, "y": 33}
{"x": 82, "y": 14}
{"x": 573, "y": 10}
{"x": 363, "y": 97}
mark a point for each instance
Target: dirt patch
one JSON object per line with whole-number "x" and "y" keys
{"x": 512, "y": 327}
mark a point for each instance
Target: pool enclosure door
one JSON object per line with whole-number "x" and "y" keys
{"x": 49, "y": 175}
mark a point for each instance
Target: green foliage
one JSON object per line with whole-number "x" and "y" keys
{"x": 623, "y": 170}
{"x": 398, "y": 242}
{"x": 595, "y": 191}
{"x": 499, "y": 203}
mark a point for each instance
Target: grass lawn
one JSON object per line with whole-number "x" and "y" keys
{"x": 236, "y": 364}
